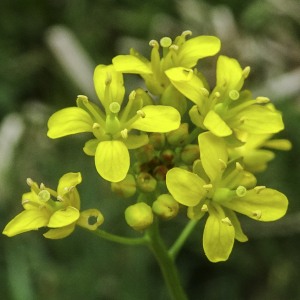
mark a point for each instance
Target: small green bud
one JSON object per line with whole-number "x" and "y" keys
{"x": 157, "y": 140}
{"x": 125, "y": 188}
{"x": 160, "y": 173}
{"x": 139, "y": 216}
{"x": 145, "y": 153}
{"x": 153, "y": 163}
{"x": 146, "y": 183}
{"x": 140, "y": 167}
{"x": 179, "y": 136}
{"x": 165, "y": 207}
{"x": 190, "y": 153}
{"x": 147, "y": 99}
{"x": 168, "y": 157}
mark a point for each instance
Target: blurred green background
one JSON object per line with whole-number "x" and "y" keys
{"x": 48, "y": 50}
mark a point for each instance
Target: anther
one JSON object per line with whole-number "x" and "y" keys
{"x": 154, "y": 43}
{"x": 42, "y": 186}
{"x": 124, "y": 133}
{"x": 245, "y": 72}
{"x": 29, "y": 181}
{"x": 174, "y": 47}
{"x": 262, "y": 100}
{"x": 141, "y": 113}
{"x": 258, "y": 189}
{"x": 241, "y": 191}
{"x": 208, "y": 187}
{"x": 223, "y": 164}
{"x": 25, "y": 201}
{"x": 132, "y": 95}
{"x": 227, "y": 221}
{"x": 165, "y": 42}
{"x": 205, "y": 92}
{"x": 234, "y": 95}
{"x": 217, "y": 95}
{"x": 204, "y": 208}
{"x": 71, "y": 189}
{"x": 257, "y": 214}
{"x": 108, "y": 78}
{"x": 186, "y": 32}
{"x": 243, "y": 119}
{"x": 60, "y": 198}
{"x": 83, "y": 98}
{"x": 96, "y": 126}
{"x": 239, "y": 167}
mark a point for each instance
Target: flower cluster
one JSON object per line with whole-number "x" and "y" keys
{"x": 209, "y": 169}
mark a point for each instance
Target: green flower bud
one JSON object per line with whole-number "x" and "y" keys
{"x": 145, "y": 153}
{"x": 165, "y": 207}
{"x": 147, "y": 99}
{"x": 140, "y": 167}
{"x": 160, "y": 172}
{"x": 190, "y": 153}
{"x": 157, "y": 140}
{"x": 179, "y": 136}
{"x": 139, "y": 216}
{"x": 168, "y": 157}
{"x": 125, "y": 188}
{"x": 146, "y": 183}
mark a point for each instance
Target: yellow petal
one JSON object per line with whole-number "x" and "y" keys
{"x": 69, "y": 121}
{"x": 216, "y": 125}
{"x": 131, "y": 64}
{"x": 30, "y": 219}
{"x": 91, "y": 146}
{"x": 66, "y": 181}
{"x": 64, "y": 217}
{"x": 83, "y": 220}
{"x": 112, "y": 160}
{"x": 158, "y": 118}
{"x": 218, "y": 237}
{"x": 185, "y": 187}
{"x": 59, "y": 233}
{"x": 135, "y": 141}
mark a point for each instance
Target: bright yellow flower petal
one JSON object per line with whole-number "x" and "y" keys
{"x": 213, "y": 155}
{"x": 83, "y": 220}
{"x": 185, "y": 187}
{"x": 64, "y": 217}
{"x": 59, "y": 233}
{"x": 135, "y": 141}
{"x": 267, "y": 205}
{"x": 218, "y": 237}
{"x": 30, "y": 219}
{"x": 158, "y": 119}
{"x": 131, "y": 64}
{"x": 66, "y": 181}
{"x": 280, "y": 144}
{"x": 69, "y": 121}
{"x": 196, "y": 48}
{"x": 91, "y": 146}
{"x": 216, "y": 125}
{"x": 112, "y": 160}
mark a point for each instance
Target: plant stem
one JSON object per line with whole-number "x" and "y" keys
{"x": 122, "y": 240}
{"x": 165, "y": 262}
{"x": 193, "y": 135}
{"x": 182, "y": 238}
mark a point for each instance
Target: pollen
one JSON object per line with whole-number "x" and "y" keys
{"x": 257, "y": 214}
{"x": 227, "y": 221}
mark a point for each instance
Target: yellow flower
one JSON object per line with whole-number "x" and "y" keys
{"x": 220, "y": 188}
{"x": 60, "y": 215}
{"x": 112, "y": 141}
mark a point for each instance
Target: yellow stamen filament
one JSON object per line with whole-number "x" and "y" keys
{"x": 223, "y": 164}
{"x": 208, "y": 187}
{"x": 258, "y": 189}
{"x": 141, "y": 113}
{"x": 204, "y": 208}
{"x": 239, "y": 167}
{"x": 124, "y": 133}
{"x": 227, "y": 221}
{"x": 108, "y": 78}
{"x": 257, "y": 214}
{"x": 246, "y": 72}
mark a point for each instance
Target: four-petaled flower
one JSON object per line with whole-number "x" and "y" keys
{"x": 222, "y": 188}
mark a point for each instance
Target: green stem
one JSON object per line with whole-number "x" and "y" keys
{"x": 165, "y": 262}
{"x": 174, "y": 250}
{"x": 193, "y": 135}
{"x": 122, "y": 240}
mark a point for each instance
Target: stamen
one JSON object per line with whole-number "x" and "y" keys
{"x": 223, "y": 164}
{"x": 132, "y": 95}
{"x": 234, "y": 95}
{"x": 25, "y": 201}
{"x": 204, "y": 208}
{"x": 243, "y": 119}
{"x": 227, "y": 221}
{"x": 186, "y": 32}
{"x": 245, "y": 72}
{"x": 239, "y": 167}
{"x": 241, "y": 191}
{"x": 44, "y": 196}
{"x": 165, "y": 42}
{"x": 59, "y": 198}
{"x": 173, "y": 47}
{"x": 71, "y": 189}
{"x": 217, "y": 95}
{"x": 208, "y": 187}
{"x": 124, "y": 133}
{"x": 83, "y": 98}
{"x": 205, "y": 92}
{"x": 258, "y": 189}
{"x": 262, "y": 100}
{"x": 114, "y": 107}
{"x": 96, "y": 126}
{"x": 29, "y": 181}
{"x": 154, "y": 43}
{"x": 42, "y": 186}
{"x": 141, "y": 113}
{"x": 257, "y": 214}
{"x": 108, "y": 78}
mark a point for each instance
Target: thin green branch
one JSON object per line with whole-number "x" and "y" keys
{"x": 193, "y": 135}
{"x": 174, "y": 250}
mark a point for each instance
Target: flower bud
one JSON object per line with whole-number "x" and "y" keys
{"x": 125, "y": 188}
{"x": 157, "y": 140}
{"x": 139, "y": 216}
{"x": 190, "y": 153}
{"x": 147, "y": 99}
{"x": 160, "y": 172}
{"x": 146, "y": 183}
{"x": 168, "y": 157}
{"x": 140, "y": 167}
{"x": 179, "y": 136}
{"x": 145, "y": 153}
{"x": 165, "y": 207}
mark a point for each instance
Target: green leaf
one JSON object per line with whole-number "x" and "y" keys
{"x": 112, "y": 160}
